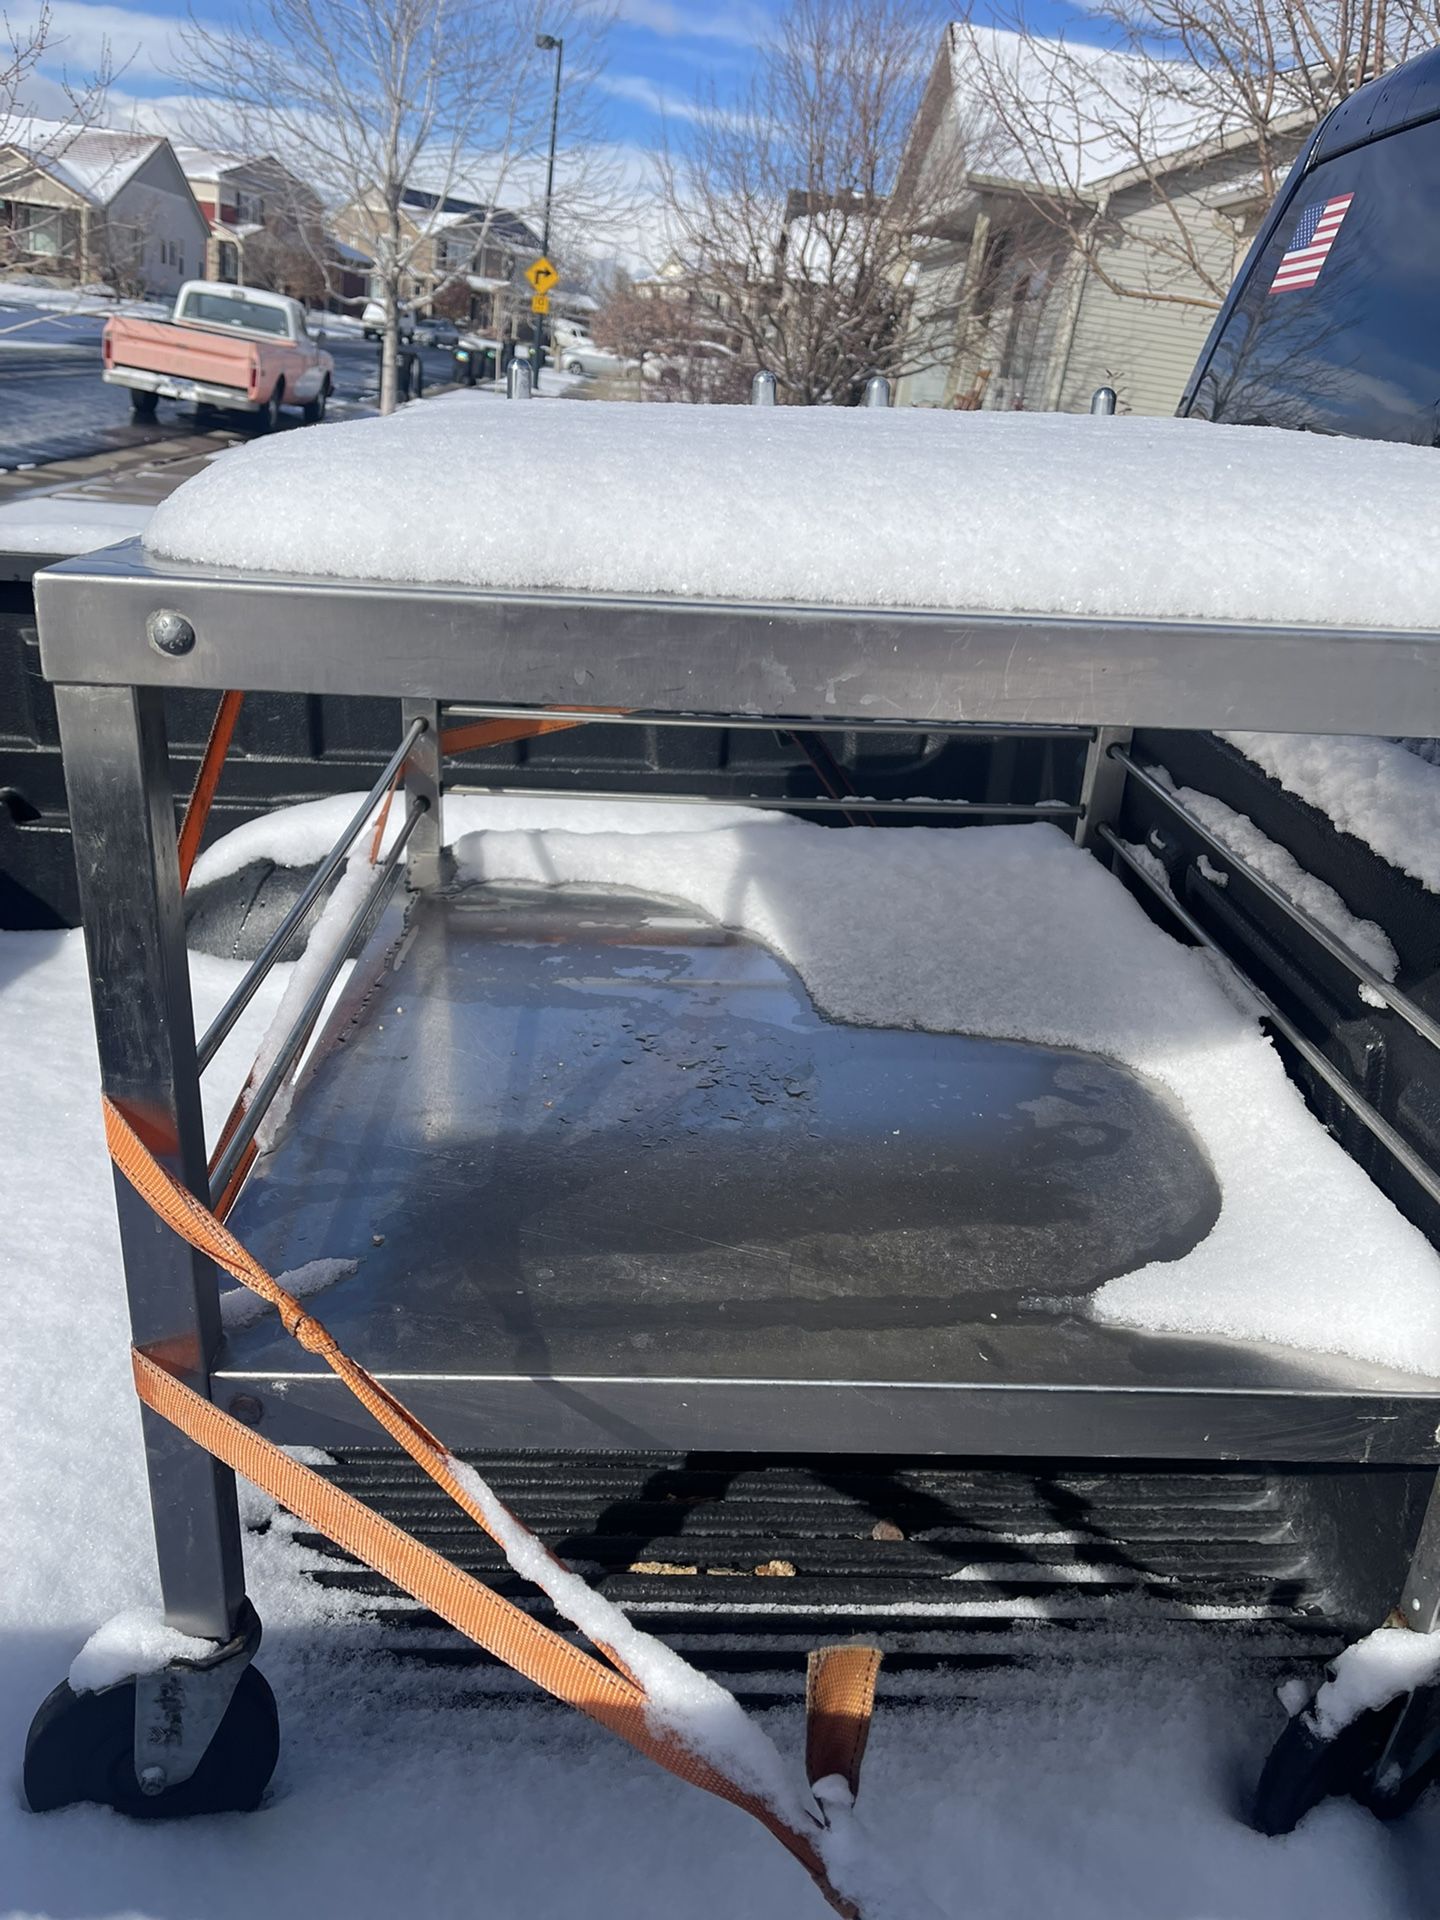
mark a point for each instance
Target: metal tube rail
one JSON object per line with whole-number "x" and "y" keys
{"x": 1398, "y": 1002}
{"x": 790, "y": 803}
{"x": 219, "y": 1028}
{"x": 1423, "y": 1176}
{"x": 280, "y": 1067}
{"x": 1000, "y": 729}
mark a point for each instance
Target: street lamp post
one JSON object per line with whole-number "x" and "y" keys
{"x": 547, "y": 43}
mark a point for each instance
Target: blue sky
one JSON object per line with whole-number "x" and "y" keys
{"x": 659, "y": 51}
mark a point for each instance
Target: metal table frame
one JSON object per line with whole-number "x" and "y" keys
{"x": 117, "y": 628}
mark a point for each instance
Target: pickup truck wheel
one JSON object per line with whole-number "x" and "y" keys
{"x": 313, "y": 411}
{"x": 267, "y": 418}
{"x": 143, "y": 405}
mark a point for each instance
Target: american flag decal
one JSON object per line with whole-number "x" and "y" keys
{"x": 1312, "y": 241}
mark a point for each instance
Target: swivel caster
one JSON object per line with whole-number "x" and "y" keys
{"x": 200, "y": 1736}
{"x": 1385, "y": 1759}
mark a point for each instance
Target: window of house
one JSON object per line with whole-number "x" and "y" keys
{"x": 249, "y": 208}
{"x": 39, "y": 230}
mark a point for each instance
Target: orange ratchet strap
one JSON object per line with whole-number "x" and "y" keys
{"x": 842, "y": 1679}
{"x": 197, "y": 811}
{"x": 459, "y": 739}
{"x": 500, "y": 733}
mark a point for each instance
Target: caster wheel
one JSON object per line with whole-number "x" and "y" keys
{"x": 1412, "y": 1767}
{"x": 81, "y": 1747}
{"x": 1300, "y": 1772}
{"x": 1303, "y": 1769}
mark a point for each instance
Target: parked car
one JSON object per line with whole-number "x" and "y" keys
{"x": 438, "y": 333}
{"x": 237, "y": 348}
{"x": 586, "y": 356}
{"x": 372, "y": 322}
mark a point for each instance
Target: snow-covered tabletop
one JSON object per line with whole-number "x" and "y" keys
{"x": 984, "y": 512}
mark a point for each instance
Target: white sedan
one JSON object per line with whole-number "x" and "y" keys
{"x": 585, "y": 356}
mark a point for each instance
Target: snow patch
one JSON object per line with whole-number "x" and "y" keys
{"x": 53, "y": 524}
{"x": 302, "y": 835}
{"x": 838, "y": 506}
{"x": 241, "y": 1308}
{"x": 328, "y": 932}
{"x": 1376, "y": 790}
{"x": 1372, "y": 1673}
{"x": 1279, "y": 866}
{"x": 133, "y": 1642}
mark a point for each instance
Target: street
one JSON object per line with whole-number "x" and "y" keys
{"x": 55, "y": 406}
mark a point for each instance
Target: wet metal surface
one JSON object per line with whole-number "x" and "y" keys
{"x": 598, "y": 1134}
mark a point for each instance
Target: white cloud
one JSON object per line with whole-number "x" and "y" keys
{"x": 142, "y": 45}
{"x": 663, "y": 102}
{"x": 743, "y": 24}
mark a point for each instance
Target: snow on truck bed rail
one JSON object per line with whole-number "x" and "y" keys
{"x": 1120, "y": 518}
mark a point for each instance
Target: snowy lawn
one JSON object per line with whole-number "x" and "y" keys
{"x": 1099, "y": 1781}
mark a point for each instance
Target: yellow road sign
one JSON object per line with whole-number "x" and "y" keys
{"x": 539, "y": 303}
{"x": 541, "y": 275}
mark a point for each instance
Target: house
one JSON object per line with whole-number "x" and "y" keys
{"x": 266, "y": 225}
{"x": 462, "y": 257}
{"x": 98, "y": 205}
{"x": 1024, "y": 294}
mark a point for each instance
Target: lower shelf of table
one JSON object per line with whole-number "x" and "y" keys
{"x": 608, "y": 1181}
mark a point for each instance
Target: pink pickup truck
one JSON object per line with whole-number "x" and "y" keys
{"x": 232, "y": 347}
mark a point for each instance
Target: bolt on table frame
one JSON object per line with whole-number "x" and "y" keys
{"x": 118, "y": 627}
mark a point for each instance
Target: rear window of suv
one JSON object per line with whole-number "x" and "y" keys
{"x": 1353, "y": 348}
{"x": 226, "y": 310}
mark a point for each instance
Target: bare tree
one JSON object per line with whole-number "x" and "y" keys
{"x": 681, "y": 345}
{"x": 1178, "y": 87}
{"x": 372, "y": 99}
{"x": 27, "y": 141}
{"x": 790, "y": 207}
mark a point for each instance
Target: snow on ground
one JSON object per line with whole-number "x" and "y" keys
{"x": 840, "y": 506}
{"x": 1100, "y": 1781}
{"x": 19, "y": 291}
{"x": 1377, "y": 790}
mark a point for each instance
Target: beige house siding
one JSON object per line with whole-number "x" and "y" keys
{"x": 1145, "y": 347}
{"x": 149, "y": 237}
{"x": 1134, "y": 317}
